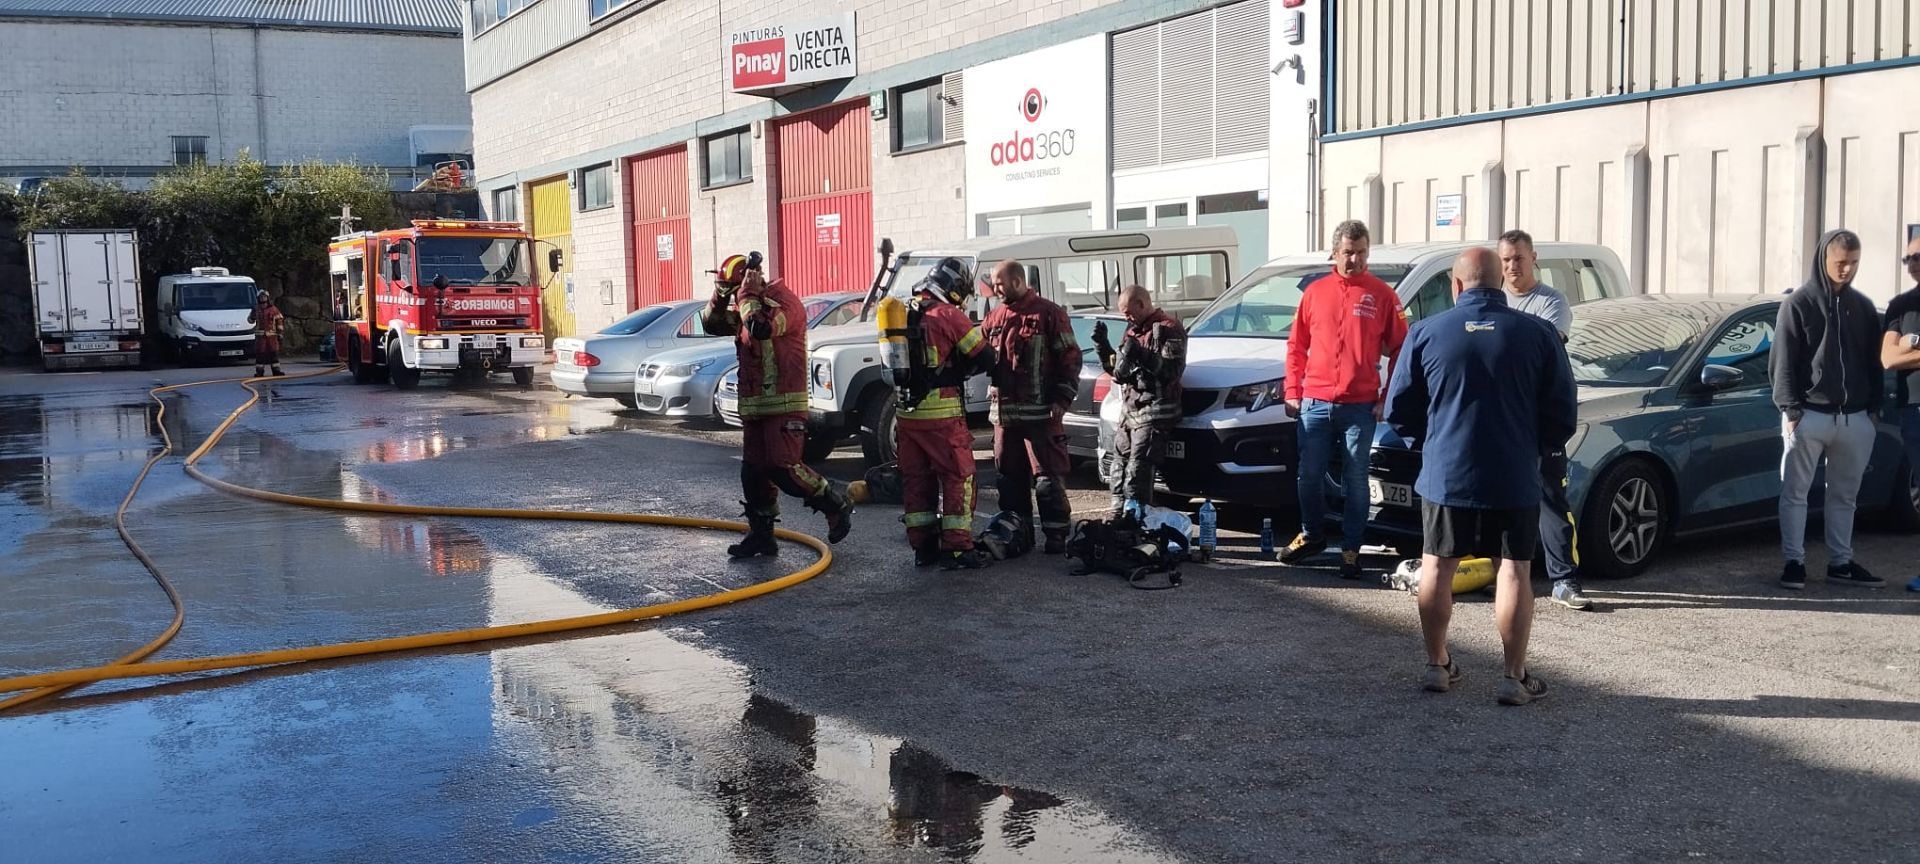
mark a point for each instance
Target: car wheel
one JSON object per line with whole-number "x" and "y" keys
{"x": 402, "y": 376}
{"x": 1624, "y": 521}
{"x": 523, "y": 376}
{"x": 880, "y": 422}
{"x": 629, "y": 402}
{"x": 1903, "y": 506}
{"x": 362, "y": 371}
{"x": 819, "y": 445}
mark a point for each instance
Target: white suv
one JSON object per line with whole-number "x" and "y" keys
{"x": 1235, "y": 441}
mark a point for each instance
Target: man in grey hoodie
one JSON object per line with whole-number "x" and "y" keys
{"x": 1827, "y": 380}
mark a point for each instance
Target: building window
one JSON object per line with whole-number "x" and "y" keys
{"x": 487, "y": 13}
{"x": 729, "y": 158}
{"x": 189, "y": 149}
{"x": 918, "y": 116}
{"x": 599, "y": 8}
{"x": 596, "y": 187}
{"x": 506, "y": 205}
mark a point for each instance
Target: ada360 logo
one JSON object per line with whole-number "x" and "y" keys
{"x": 1045, "y": 144}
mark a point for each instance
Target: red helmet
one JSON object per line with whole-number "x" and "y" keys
{"x": 731, "y": 271}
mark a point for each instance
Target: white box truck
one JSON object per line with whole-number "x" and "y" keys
{"x": 203, "y": 315}
{"x": 86, "y": 296}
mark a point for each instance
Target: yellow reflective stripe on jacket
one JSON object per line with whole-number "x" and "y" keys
{"x": 968, "y": 342}
{"x": 935, "y": 407}
{"x": 920, "y": 519}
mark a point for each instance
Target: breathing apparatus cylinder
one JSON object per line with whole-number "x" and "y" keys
{"x": 890, "y": 317}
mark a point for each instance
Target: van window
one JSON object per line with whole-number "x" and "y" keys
{"x": 1084, "y": 283}
{"x": 1433, "y": 298}
{"x": 1193, "y": 276}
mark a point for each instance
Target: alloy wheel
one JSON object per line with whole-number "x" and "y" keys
{"x": 1633, "y": 520}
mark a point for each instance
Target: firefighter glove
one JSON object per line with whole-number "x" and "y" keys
{"x": 759, "y": 327}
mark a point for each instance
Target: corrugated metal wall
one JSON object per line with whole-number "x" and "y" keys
{"x": 1407, "y": 61}
{"x": 662, "y": 229}
{"x": 551, "y": 219}
{"x": 823, "y": 171}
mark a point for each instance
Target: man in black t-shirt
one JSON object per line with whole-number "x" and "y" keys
{"x": 1900, "y": 352}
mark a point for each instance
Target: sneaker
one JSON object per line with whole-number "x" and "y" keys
{"x": 1851, "y": 573}
{"x": 1349, "y": 565}
{"x": 1521, "y": 691}
{"x": 1302, "y": 548}
{"x": 1440, "y": 679}
{"x": 1566, "y": 592}
{"x": 1794, "y": 577}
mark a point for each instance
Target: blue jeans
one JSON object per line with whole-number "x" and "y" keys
{"x": 1910, "y": 431}
{"x": 1323, "y": 426}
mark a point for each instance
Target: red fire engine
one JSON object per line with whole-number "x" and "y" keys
{"x": 439, "y": 296}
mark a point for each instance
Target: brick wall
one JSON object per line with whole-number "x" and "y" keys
{"x": 324, "y": 95}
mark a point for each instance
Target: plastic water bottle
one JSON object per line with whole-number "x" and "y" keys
{"x": 1266, "y": 537}
{"x": 1209, "y": 528}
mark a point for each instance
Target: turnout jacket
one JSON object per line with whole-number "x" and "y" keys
{"x": 770, "y": 330}
{"x": 1483, "y": 390}
{"x": 1147, "y": 365}
{"x": 1037, "y": 361}
{"x": 955, "y": 352}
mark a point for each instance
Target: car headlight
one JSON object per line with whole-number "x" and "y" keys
{"x": 684, "y": 370}
{"x": 823, "y": 376}
{"x": 1254, "y": 397}
{"x": 533, "y": 341}
{"x": 191, "y": 327}
{"x": 1579, "y": 435}
{"x": 438, "y": 343}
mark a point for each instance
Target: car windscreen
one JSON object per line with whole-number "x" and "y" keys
{"x": 912, "y": 271}
{"x": 473, "y": 260}
{"x": 1632, "y": 344}
{"x": 215, "y": 295}
{"x": 1263, "y": 304}
{"x": 636, "y": 322}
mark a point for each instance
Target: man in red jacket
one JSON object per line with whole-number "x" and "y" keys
{"x": 1347, "y": 321}
{"x": 770, "y": 326}
{"x": 936, "y": 448}
{"x": 1036, "y": 375}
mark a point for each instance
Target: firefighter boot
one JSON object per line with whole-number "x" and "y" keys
{"x": 277, "y": 372}
{"x": 1056, "y": 541}
{"x": 838, "y": 508}
{"x": 259, "y": 371}
{"x": 928, "y": 552}
{"x": 965, "y": 559}
{"x": 759, "y": 539}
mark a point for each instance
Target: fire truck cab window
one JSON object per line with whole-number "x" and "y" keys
{"x": 473, "y": 260}
{"x": 356, "y": 287}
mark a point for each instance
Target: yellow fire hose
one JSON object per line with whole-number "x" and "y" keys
{"x": 47, "y": 684}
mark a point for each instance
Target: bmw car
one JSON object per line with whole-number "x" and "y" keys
{"x": 1677, "y": 433}
{"x": 684, "y": 382}
{"x": 603, "y": 364}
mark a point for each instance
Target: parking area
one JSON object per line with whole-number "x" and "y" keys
{"x": 878, "y": 712}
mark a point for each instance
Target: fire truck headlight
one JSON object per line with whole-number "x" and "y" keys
{"x": 434, "y": 344}
{"x": 533, "y": 342}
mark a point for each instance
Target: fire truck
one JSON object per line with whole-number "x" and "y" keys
{"x": 437, "y": 296}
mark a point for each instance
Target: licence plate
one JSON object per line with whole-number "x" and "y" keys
{"x": 563, "y": 358}
{"x": 1396, "y": 494}
{"x": 234, "y": 353}
{"x": 89, "y": 346}
{"x": 484, "y": 341}
{"x": 643, "y": 387}
{"x": 1176, "y": 449}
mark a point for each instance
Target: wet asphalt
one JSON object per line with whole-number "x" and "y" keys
{"x": 876, "y": 713}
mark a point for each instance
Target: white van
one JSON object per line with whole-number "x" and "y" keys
{"x": 203, "y": 315}
{"x": 848, "y": 393}
{"x": 1234, "y": 441}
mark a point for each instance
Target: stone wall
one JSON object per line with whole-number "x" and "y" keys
{"x": 16, "y": 298}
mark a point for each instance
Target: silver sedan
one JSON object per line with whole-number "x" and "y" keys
{"x": 685, "y": 382}
{"x": 604, "y": 364}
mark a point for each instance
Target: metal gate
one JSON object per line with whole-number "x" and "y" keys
{"x": 552, "y": 222}
{"x": 826, "y": 199}
{"x": 662, "y": 231}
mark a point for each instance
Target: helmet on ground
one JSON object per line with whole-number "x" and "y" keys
{"x": 1006, "y": 536}
{"x": 732, "y": 270}
{"x": 951, "y": 279}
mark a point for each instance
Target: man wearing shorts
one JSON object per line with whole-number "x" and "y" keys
{"x": 1479, "y": 386}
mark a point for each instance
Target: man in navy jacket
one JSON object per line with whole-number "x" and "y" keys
{"x": 1483, "y": 390}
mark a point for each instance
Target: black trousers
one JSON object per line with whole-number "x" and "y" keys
{"x": 1556, "y": 518}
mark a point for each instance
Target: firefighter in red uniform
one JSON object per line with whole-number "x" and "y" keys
{"x": 770, "y": 325}
{"x": 268, "y": 325}
{"x": 1036, "y": 376}
{"x": 935, "y": 446}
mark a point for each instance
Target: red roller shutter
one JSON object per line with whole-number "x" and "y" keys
{"x": 662, "y": 233}
{"x": 826, "y": 199}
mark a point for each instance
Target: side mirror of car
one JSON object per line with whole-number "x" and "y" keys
{"x": 1717, "y": 378}
{"x": 554, "y": 259}
{"x": 440, "y": 281}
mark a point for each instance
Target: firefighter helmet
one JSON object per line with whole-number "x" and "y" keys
{"x": 731, "y": 271}
{"x": 950, "y": 279}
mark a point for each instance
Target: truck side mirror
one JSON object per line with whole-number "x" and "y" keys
{"x": 554, "y": 260}
{"x": 440, "y": 281}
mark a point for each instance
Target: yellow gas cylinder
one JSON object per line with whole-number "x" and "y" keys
{"x": 857, "y": 490}
{"x": 890, "y": 318}
{"x": 1472, "y": 575}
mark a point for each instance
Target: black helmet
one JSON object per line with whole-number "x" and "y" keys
{"x": 950, "y": 279}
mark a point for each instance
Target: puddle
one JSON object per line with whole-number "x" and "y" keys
{"x": 52, "y": 451}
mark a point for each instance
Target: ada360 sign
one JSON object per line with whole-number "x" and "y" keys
{"x": 788, "y": 54}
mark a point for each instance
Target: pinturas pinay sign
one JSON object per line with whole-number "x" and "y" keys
{"x": 782, "y": 55}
